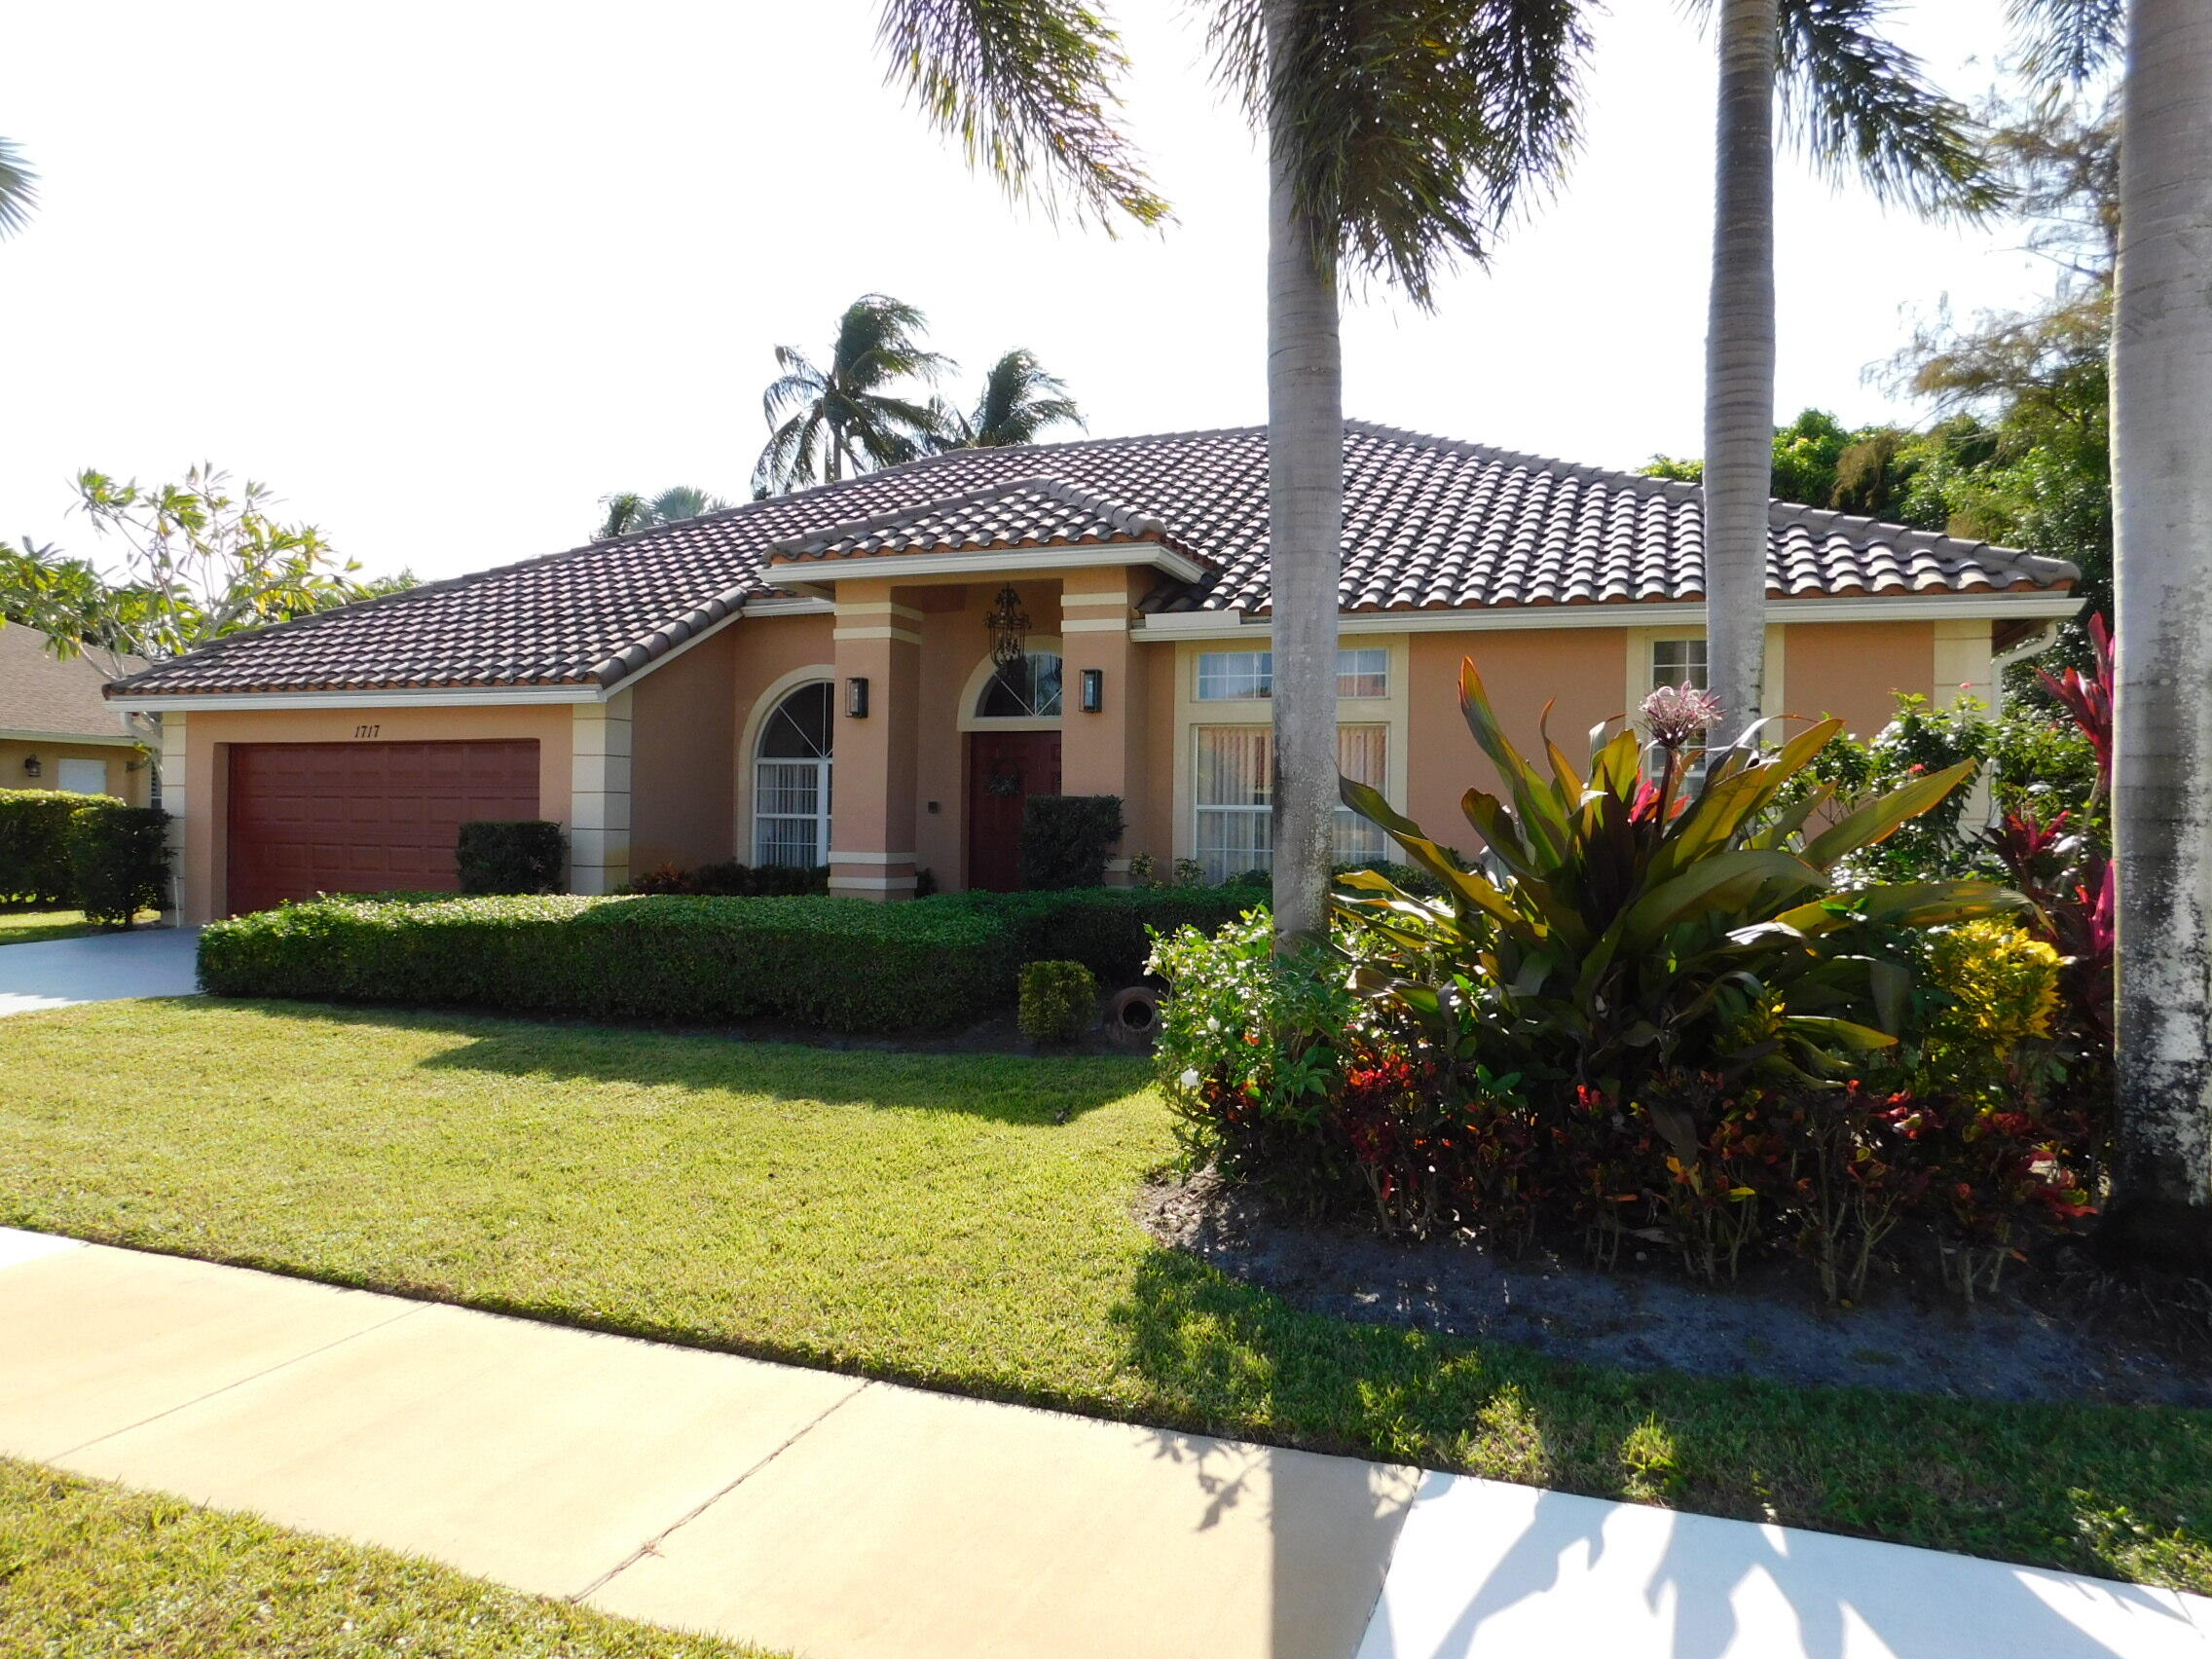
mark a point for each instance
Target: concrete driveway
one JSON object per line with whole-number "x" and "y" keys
{"x": 146, "y": 962}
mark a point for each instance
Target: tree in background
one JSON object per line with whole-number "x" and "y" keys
{"x": 628, "y": 511}
{"x": 1861, "y": 108}
{"x": 854, "y": 415}
{"x": 1019, "y": 402}
{"x": 18, "y": 189}
{"x": 196, "y": 563}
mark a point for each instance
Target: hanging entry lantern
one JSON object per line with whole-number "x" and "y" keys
{"x": 1008, "y": 624}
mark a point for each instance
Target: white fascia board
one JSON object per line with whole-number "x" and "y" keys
{"x": 464, "y": 697}
{"x": 459, "y": 697}
{"x": 891, "y": 566}
{"x": 1907, "y": 608}
{"x": 117, "y": 739}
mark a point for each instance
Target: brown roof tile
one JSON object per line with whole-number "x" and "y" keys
{"x": 1429, "y": 524}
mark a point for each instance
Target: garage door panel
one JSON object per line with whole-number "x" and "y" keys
{"x": 308, "y": 818}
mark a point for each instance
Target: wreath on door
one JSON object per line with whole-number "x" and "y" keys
{"x": 1005, "y": 779}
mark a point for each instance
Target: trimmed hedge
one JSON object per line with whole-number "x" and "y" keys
{"x": 510, "y": 856}
{"x": 34, "y": 844}
{"x": 1065, "y": 840}
{"x": 119, "y": 858}
{"x": 835, "y": 964}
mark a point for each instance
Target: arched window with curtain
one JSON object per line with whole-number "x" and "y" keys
{"x": 790, "y": 778}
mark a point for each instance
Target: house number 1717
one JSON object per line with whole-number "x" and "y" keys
{"x": 366, "y": 731}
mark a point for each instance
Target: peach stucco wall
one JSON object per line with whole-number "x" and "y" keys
{"x": 1854, "y": 670}
{"x": 210, "y": 732}
{"x": 1583, "y": 671}
{"x": 682, "y": 752}
{"x": 128, "y": 774}
{"x": 694, "y": 721}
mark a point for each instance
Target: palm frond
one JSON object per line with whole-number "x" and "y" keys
{"x": 878, "y": 340}
{"x": 682, "y": 501}
{"x": 1414, "y": 128}
{"x": 1020, "y": 400}
{"x": 1029, "y": 87}
{"x": 2069, "y": 39}
{"x": 18, "y": 189}
{"x": 625, "y": 512}
{"x": 1860, "y": 106}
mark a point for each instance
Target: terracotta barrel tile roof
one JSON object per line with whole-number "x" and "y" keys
{"x": 1429, "y": 525}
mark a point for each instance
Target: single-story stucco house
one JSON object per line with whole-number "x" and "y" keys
{"x": 811, "y": 678}
{"x": 56, "y": 731}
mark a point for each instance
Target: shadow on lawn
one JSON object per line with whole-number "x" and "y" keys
{"x": 2080, "y": 1488}
{"x": 1007, "y": 1089}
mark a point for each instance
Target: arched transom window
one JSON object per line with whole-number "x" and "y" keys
{"x": 790, "y": 778}
{"x": 1029, "y": 689}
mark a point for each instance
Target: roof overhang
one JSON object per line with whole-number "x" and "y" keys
{"x": 1902, "y": 608}
{"x": 440, "y": 697}
{"x": 805, "y": 576}
{"x": 121, "y": 740}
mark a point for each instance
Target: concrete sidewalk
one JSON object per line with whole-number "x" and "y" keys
{"x": 55, "y": 973}
{"x": 843, "y": 1519}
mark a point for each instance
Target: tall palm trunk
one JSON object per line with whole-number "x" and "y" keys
{"x": 2161, "y": 1209}
{"x": 1306, "y": 455}
{"x": 1738, "y": 364}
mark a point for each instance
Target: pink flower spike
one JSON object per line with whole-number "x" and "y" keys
{"x": 1675, "y": 715}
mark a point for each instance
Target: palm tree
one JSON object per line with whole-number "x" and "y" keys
{"x": 850, "y": 417}
{"x": 2161, "y": 1210}
{"x": 1398, "y": 136}
{"x": 1027, "y": 87}
{"x": 1019, "y": 402}
{"x": 18, "y": 189}
{"x": 627, "y": 510}
{"x": 1861, "y": 106}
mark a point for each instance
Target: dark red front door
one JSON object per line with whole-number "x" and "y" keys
{"x": 1005, "y": 768}
{"x": 308, "y": 818}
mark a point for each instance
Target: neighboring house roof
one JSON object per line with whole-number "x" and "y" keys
{"x": 1429, "y": 525}
{"x": 43, "y": 697}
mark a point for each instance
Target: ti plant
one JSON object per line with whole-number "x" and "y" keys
{"x": 1639, "y": 920}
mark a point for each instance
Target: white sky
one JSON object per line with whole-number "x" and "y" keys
{"x": 445, "y": 273}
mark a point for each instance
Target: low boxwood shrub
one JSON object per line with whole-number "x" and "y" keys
{"x": 511, "y": 856}
{"x": 119, "y": 861}
{"x": 1065, "y": 840}
{"x": 835, "y": 964}
{"x": 1059, "y": 1000}
{"x": 34, "y": 844}
{"x": 731, "y": 879}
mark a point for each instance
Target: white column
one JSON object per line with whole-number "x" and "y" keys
{"x": 173, "y": 799}
{"x": 599, "y": 795}
{"x": 1965, "y": 668}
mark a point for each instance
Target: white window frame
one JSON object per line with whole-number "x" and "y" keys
{"x": 823, "y": 767}
{"x": 1353, "y": 662}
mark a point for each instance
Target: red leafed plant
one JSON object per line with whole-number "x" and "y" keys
{"x": 2088, "y": 697}
{"x": 2069, "y": 877}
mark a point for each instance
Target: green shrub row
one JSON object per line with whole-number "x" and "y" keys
{"x": 34, "y": 844}
{"x": 1066, "y": 839}
{"x": 832, "y": 963}
{"x": 88, "y": 852}
{"x": 519, "y": 855}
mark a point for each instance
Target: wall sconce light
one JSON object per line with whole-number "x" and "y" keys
{"x": 33, "y": 766}
{"x": 1094, "y": 690}
{"x": 856, "y": 699}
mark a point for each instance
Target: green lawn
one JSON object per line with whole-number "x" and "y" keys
{"x": 28, "y": 926}
{"x": 96, "y": 1573}
{"x": 930, "y": 1219}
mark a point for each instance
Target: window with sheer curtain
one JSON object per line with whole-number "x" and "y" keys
{"x": 1234, "y": 797}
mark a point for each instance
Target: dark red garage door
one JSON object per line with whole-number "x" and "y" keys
{"x": 308, "y": 818}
